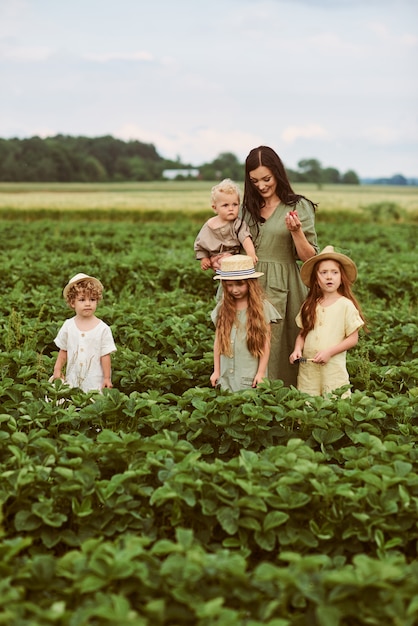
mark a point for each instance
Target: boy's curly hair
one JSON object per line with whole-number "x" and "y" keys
{"x": 84, "y": 287}
{"x": 225, "y": 186}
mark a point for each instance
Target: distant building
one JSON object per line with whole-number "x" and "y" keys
{"x": 185, "y": 173}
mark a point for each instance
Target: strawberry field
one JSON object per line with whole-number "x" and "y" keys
{"x": 164, "y": 502}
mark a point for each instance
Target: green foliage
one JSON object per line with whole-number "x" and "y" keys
{"x": 384, "y": 211}
{"x": 68, "y": 159}
{"x": 163, "y": 501}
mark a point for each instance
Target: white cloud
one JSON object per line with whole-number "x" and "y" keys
{"x": 389, "y": 36}
{"x": 409, "y": 40}
{"x": 381, "y": 135}
{"x": 198, "y": 146}
{"x": 310, "y": 131}
{"x": 32, "y": 54}
{"x": 121, "y": 56}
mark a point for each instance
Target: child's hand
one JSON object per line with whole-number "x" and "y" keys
{"x": 54, "y": 376}
{"x": 205, "y": 264}
{"x": 214, "y": 379}
{"x": 257, "y": 379}
{"x": 216, "y": 260}
{"x": 296, "y": 354}
{"x": 107, "y": 383}
{"x": 322, "y": 357}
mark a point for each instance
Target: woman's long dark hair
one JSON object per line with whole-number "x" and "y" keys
{"x": 252, "y": 200}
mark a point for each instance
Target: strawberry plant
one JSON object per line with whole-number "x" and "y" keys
{"x": 165, "y": 501}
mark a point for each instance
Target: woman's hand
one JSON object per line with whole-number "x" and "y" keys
{"x": 292, "y": 220}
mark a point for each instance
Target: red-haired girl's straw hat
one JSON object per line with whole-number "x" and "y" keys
{"x": 237, "y": 267}
{"x": 77, "y": 279}
{"x": 328, "y": 253}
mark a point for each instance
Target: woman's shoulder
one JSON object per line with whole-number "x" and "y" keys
{"x": 304, "y": 204}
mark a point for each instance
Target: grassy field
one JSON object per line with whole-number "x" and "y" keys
{"x": 190, "y": 196}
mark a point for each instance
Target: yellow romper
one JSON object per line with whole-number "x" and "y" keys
{"x": 333, "y": 324}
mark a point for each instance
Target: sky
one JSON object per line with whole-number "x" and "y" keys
{"x": 333, "y": 80}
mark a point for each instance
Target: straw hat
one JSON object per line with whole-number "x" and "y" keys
{"x": 77, "y": 279}
{"x": 328, "y": 253}
{"x": 237, "y": 267}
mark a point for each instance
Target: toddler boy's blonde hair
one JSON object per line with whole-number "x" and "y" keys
{"x": 225, "y": 186}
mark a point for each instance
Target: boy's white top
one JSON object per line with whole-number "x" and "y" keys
{"x": 84, "y": 350}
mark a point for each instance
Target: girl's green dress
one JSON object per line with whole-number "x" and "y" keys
{"x": 238, "y": 370}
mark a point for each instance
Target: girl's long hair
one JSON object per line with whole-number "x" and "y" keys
{"x": 308, "y": 309}
{"x": 252, "y": 200}
{"x": 257, "y": 328}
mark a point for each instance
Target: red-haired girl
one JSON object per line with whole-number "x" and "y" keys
{"x": 329, "y": 319}
{"x": 243, "y": 318}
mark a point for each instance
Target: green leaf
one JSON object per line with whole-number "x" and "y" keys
{"x": 274, "y": 519}
{"x": 228, "y": 518}
{"x": 26, "y": 521}
{"x": 328, "y": 615}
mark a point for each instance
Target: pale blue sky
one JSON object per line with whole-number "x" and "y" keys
{"x": 334, "y": 80}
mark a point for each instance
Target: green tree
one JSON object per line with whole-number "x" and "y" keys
{"x": 93, "y": 170}
{"x": 226, "y": 165}
{"x": 350, "y": 178}
{"x": 331, "y": 175}
{"x": 311, "y": 171}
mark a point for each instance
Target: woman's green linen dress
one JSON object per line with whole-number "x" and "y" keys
{"x": 277, "y": 258}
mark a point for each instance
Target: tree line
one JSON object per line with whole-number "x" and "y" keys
{"x": 226, "y": 165}
{"x": 78, "y": 159}
{"x": 68, "y": 159}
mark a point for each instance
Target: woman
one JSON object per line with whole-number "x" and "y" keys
{"x": 282, "y": 224}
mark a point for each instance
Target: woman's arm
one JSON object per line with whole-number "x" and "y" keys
{"x": 303, "y": 248}
{"x": 301, "y": 224}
